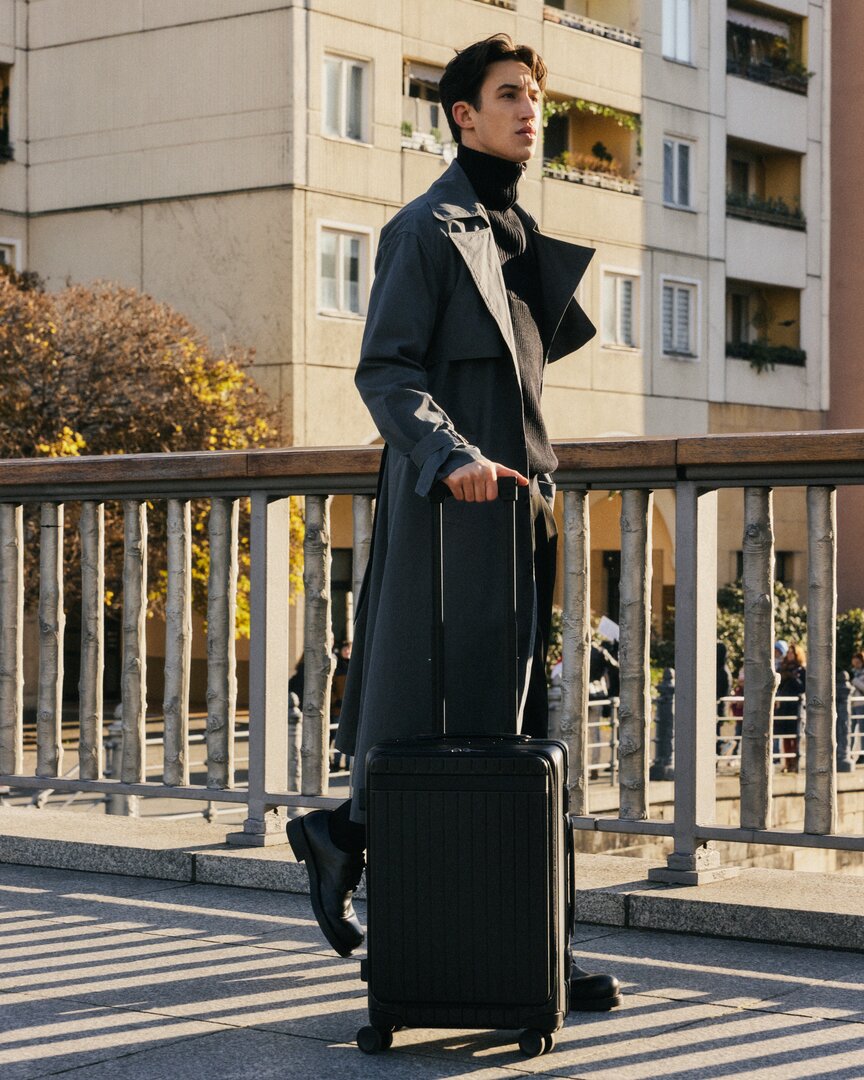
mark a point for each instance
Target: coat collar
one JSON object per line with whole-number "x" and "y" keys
{"x": 562, "y": 265}
{"x": 454, "y": 202}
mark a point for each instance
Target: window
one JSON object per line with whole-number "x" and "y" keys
{"x": 679, "y": 318}
{"x": 7, "y": 152}
{"x": 738, "y": 318}
{"x": 677, "y": 164}
{"x": 10, "y": 253}
{"x": 783, "y": 565}
{"x": 676, "y": 30}
{"x": 343, "y": 271}
{"x": 424, "y": 125}
{"x": 345, "y": 98}
{"x": 620, "y": 310}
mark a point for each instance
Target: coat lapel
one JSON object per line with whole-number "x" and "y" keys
{"x": 562, "y": 266}
{"x": 454, "y": 202}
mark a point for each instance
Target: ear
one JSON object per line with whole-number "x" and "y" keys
{"x": 463, "y": 114}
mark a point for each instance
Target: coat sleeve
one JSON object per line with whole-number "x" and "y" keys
{"x": 392, "y": 374}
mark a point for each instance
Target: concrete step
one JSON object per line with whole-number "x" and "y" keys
{"x": 789, "y": 907}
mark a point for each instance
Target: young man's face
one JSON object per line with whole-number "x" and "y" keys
{"x": 508, "y": 120}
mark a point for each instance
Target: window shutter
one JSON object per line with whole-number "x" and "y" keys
{"x": 682, "y": 321}
{"x": 626, "y": 317}
{"x": 668, "y": 318}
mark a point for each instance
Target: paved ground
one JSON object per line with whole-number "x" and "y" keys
{"x": 117, "y": 977}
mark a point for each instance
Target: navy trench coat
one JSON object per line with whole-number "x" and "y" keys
{"x": 438, "y": 373}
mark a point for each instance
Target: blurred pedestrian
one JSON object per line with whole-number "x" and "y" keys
{"x": 793, "y": 682}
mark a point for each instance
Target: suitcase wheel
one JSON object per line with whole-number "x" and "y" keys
{"x": 371, "y": 1040}
{"x": 534, "y": 1043}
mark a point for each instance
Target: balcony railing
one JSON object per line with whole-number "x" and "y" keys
{"x": 767, "y": 211}
{"x": 282, "y": 774}
{"x": 591, "y": 26}
{"x": 592, "y": 178}
{"x": 790, "y": 77}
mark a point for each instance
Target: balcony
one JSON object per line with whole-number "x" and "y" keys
{"x": 586, "y": 169}
{"x": 595, "y": 145}
{"x": 763, "y": 325}
{"x": 424, "y": 125}
{"x": 278, "y": 775}
{"x": 565, "y": 15}
{"x": 770, "y": 211}
{"x": 766, "y": 48}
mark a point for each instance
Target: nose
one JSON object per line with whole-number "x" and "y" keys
{"x": 529, "y": 108}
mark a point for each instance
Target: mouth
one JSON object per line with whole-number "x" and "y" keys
{"x": 530, "y": 132}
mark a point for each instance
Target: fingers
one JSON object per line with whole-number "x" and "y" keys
{"x": 521, "y": 480}
{"x": 478, "y": 482}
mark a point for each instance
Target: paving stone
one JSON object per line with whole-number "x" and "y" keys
{"x": 161, "y": 907}
{"x": 734, "y": 973}
{"x": 252, "y": 965}
{"x": 17, "y": 879}
{"x": 239, "y": 1055}
{"x": 648, "y": 1039}
{"x": 39, "y": 1037}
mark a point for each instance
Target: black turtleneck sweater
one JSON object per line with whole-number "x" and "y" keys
{"x": 495, "y": 180}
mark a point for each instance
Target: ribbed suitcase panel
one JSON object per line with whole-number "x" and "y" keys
{"x": 460, "y": 907}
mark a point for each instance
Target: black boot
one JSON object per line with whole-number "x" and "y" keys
{"x": 333, "y": 877}
{"x": 592, "y": 993}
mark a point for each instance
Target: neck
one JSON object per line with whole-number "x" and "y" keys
{"x": 494, "y": 179}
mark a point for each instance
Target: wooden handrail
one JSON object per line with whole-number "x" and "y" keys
{"x": 824, "y": 448}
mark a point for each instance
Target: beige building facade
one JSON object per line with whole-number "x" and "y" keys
{"x": 238, "y": 159}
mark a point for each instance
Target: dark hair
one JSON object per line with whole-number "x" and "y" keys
{"x": 463, "y": 77}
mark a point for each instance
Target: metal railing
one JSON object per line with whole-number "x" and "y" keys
{"x": 282, "y": 773}
{"x": 591, "y": 26}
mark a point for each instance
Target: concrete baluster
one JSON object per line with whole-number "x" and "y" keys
{"x": 134, "y": 673}
{"x": 91, "y": 528}
{"x": 572, "y": 718}
{"x": 221, "y": 656}
{"x": 820, "y": 791}
{"x": 178, "y": 643}
{"x": 633, "y": 656}
{"x": 52, "y": 624}
{"x": 11, "y": 638}
{"x": 317, "y": 648}
{"x": 760, "y": 678}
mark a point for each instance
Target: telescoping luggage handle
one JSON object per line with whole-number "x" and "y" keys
{"x": 508, "y": 491}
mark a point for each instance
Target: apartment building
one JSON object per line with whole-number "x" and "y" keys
{"x": 238, "y": 158}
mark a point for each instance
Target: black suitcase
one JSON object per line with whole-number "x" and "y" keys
{"x": 469, "y": 876}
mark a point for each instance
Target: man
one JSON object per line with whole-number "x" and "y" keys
{"x": 469, "y": 303}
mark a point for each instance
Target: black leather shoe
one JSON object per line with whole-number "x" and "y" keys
{"x": 592, "y": 993}
{"x": 333, "y": 877}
